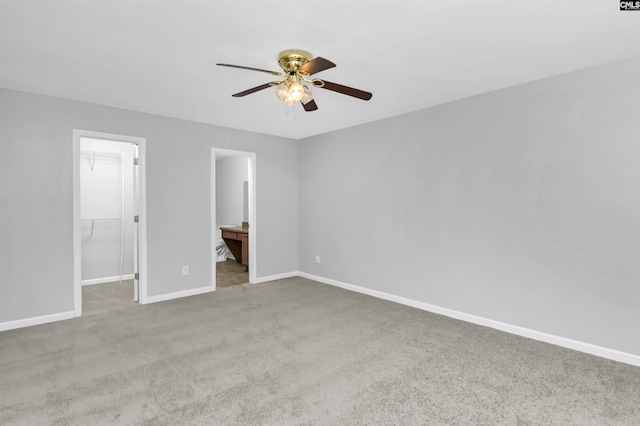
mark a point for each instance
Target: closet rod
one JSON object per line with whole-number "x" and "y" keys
{"x": 93, "y": 222}
{"x": 102, "y": 153}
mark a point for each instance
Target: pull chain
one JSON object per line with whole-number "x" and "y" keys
{"x": 291, "y": 112}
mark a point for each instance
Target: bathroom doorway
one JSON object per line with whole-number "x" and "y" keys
{"x": 109, "y": 249}
{"x": 233, "y": 217}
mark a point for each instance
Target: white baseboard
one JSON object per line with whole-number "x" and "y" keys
{"x": 106, "y": 280}
{"x": 177, "y": 295}
{"x": 28, "y": 322}
{"x": 276, "y": 277}
{"x": 589, "y": 348}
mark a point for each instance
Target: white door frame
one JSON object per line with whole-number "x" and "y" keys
{"x": 77, "y": 230}
{"x": 253, "y": 240}
{"x": 136, "y": 226}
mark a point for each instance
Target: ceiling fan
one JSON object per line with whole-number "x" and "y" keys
{"x": 298, "y": 66}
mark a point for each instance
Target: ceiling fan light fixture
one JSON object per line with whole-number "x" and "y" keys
{"x": 290, "y": 92}
{"x": 308, "y": 96}
{"x": 281, "y": 91}
{"x": 296, "y": 92}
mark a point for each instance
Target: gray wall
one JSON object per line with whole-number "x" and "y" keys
{"x": 521, "y": 206}
{"x": 36, "y": 249}
{"x": 231, "y": 174}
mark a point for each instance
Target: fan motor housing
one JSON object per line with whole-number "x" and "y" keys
{"x": 291, "y": 60}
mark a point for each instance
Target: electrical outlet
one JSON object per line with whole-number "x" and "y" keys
{"x": 185, "y": 270}
{"x": 317, "y": 259}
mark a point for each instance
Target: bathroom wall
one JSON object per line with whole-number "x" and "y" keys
{"x": 231, "y": 175}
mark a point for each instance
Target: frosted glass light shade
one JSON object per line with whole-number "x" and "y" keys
{"x": 296, "y": 92}
{"x": 308, "y": 96}
{"x": 281, "y": 91}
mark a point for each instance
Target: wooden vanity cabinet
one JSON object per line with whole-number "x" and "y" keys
{"x": 237, "y": 239}
{"x": 245, "y": 249}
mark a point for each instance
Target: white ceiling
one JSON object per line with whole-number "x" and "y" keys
{"x": 159, "y": 56}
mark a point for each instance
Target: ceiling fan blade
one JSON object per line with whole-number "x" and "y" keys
{"x": 252, "y": 90}
{"x": 316, "y": 65}
{"x": 345, "y": 90}
{"x": 252, "y": 69}
{"x": 310, "y": 106}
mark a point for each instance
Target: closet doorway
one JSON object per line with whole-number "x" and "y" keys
{"x": 233, "y": 217}
{"x": 109, "y": 231}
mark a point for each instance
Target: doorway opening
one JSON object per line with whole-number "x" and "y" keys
{"x": 233, "y": 217}
{"x": 109, "y": 221}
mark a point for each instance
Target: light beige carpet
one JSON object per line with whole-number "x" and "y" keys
{"x": 230, "y": 273}
{"x": 296, "y": 352}
{"x": 102, "y": 298}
